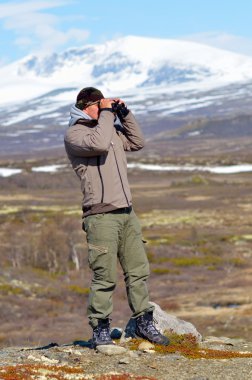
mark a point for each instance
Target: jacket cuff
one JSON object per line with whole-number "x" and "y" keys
{"x": 106, "y": 109}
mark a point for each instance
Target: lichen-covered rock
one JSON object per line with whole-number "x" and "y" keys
{"x": 170, "y": 323}
{"x": 165, "y": 323}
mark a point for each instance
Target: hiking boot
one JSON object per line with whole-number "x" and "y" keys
{"x": 146, "y": 329}
{"x": 101, "y": 333}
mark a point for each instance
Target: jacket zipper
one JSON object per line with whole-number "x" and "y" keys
{"x": 120, "y": 174}
{"x": 99, "y": 170}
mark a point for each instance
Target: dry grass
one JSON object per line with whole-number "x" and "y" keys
{"x": 198, "y": 232}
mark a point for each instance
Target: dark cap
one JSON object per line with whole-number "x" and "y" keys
{"x": 88, "y": 95}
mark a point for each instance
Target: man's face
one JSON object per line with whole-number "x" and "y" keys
{"x": 92, "y": 110}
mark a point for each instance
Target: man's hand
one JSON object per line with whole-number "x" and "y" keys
{"x": 106, "y": 103}
{"x": 116, "y": 105}
{"x": 120, "y": 101}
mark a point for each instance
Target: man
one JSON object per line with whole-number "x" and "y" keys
{"x": 96, "y": 149}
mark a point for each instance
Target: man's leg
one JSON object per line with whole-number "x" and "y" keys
{"x": 136, "y": 271}
{"x": 102, "y": 239}
{"x": 135, "y": 265}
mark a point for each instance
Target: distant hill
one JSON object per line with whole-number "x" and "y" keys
{"x": 216, "y": 127}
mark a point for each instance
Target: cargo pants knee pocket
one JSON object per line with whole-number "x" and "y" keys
{"x": 100, "y": 261}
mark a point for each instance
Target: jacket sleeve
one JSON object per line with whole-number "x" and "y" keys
{"x": 132, "y": 137}
{"x": 87, "y": 142}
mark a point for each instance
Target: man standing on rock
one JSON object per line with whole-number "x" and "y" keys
{"x": 96, "y": 148}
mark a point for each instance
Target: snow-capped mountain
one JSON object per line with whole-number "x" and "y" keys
{"x": 157, "y": 78}
{"x": 130, "y": 64}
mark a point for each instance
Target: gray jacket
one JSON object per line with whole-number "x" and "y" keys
{"x": 97, "y": 154}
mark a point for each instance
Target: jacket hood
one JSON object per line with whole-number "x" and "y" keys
{"x": 76, "y": 114}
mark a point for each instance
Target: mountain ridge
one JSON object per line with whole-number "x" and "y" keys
{"x": 166, "y": 83}
{"x": 122, "y": 65}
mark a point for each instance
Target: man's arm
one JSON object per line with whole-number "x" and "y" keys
{"x": 83, "y": 142}
{"x": 132, "y": 138}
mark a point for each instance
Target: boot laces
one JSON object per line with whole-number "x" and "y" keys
{"x": 103, "y": 332}
{"x": 150, "y": 326}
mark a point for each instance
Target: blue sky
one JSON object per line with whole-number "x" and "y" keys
{"x": 45, "y": 26}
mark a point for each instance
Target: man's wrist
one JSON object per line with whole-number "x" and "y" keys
{"x": 106, "y": 109}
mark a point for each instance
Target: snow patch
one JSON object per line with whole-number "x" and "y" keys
{"x": 7, "y": 172}
{"x": 232, "y": 169}
{"x": 48, "y": 168}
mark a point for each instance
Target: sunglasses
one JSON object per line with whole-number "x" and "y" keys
{"x": 92, "y": 103}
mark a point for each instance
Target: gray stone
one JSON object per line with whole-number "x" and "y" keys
{"x": 170, "y": 323}
{"x": 111, "y": 349}
{"x": 146, "y": 346}
{"x": 173, "y": 357}
{"x": 165, "y": 322}
{"x": 124, "y": 361}
{"x": 222, "y": 340}
{"x": 134, "y": 354}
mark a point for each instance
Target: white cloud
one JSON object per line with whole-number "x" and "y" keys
{"x": 36, "y": 29}
{"x": 223, "y": 40}
{"x": 10, "y": 9}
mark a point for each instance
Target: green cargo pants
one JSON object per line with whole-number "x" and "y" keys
{"x": 112, "y": 235}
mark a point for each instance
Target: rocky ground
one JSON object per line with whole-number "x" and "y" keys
{"x": 122, "y": 362}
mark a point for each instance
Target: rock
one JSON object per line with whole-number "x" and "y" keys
{"x": 149, "y": 351}
{"x": 174, "y": 357}
{"x": 143, "y": 346}
{"x": 134, "y": 355}
{"x": 170, "y": 323}
{"x": 153, "y": 365}
{"x": 222, "y": 343}
{"x": 72, "y": 351}
{"x": 217, "y": 347}
{"x": 34, "y": 358}
{"x": 165, "y": 322}
{"x": 222, "y": 340}
{"x": 111, "y": 349}
{"x": 43, "y": 358}
{"x": 125, "y": 339}
{"x": 124, "y": 361}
